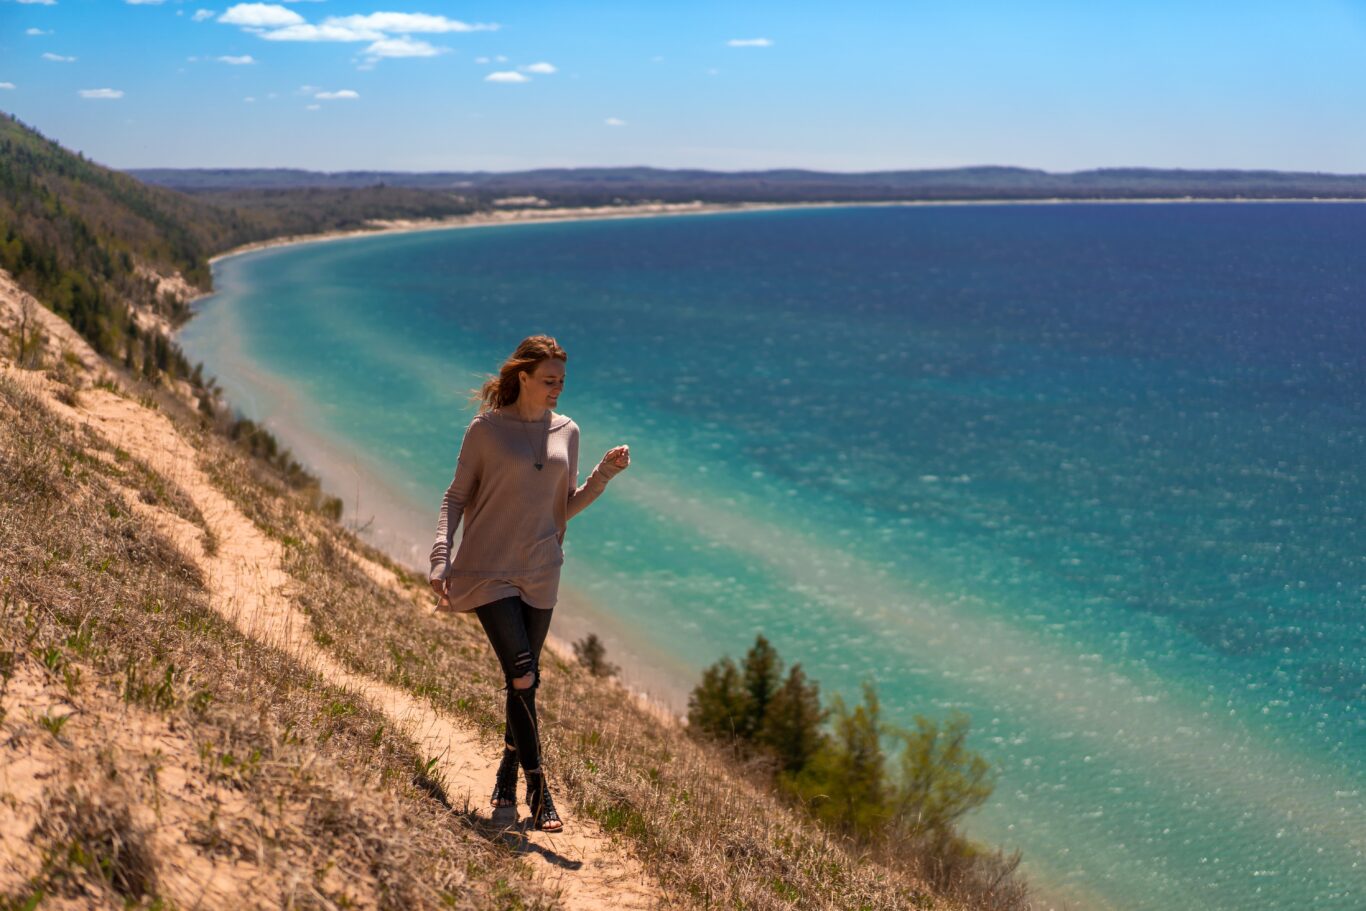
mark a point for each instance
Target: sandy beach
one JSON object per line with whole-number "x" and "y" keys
{"x": 493, "y": 218}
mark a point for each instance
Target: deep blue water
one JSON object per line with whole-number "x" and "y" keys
{"x": 1090, "y": 473}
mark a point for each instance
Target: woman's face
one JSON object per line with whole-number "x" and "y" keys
{"x": 543, "y": 387}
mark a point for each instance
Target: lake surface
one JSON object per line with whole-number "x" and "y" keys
{"x": 1090, "y": 473}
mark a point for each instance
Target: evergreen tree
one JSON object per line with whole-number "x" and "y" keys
{"x": 163, "y": 352}
{"x": 719, "y": 705}
{"x": 763, "y": 672}
{"x": 791, "y": 728}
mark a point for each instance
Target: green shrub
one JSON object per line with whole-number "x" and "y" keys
{"x": 845, "y": 783}
{"x": 592, "y": 654}
{"x": 841, "y": 774}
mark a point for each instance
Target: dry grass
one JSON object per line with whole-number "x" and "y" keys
{"x": 245, "y": 761}
{"x": 698, "y": 822}
{"x": 323, "y": 785}
{"x": 94, "y": 847}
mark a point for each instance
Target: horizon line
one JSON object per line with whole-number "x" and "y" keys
{"x": 767, "y": 170}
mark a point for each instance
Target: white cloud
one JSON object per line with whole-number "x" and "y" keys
{"x": 343, "y": 95}
{"x": 243, "y": 60}
{"x": 506, "y": 76}
{"x": 313, "y": 107}
{"x": 144, "y": 2}
{"x": 500, "y": 59}
{"x": 615, "y": 122}
{"x": 201, "y": 14}
{"x": 40, "y": 2}
{"x": 36, "y": 31}
{"x": 389, "y": 34}
{"x": 749, "y": 42}
{"x": 249, "y": 100}
{"x": 406, "y": 23}
{"x": 403, "y": 47}
{"x": 58, "y": 58}
{"x": 101, "y": 93}
{"x": 6, "y": 85}
{"x": 481, "y": 60}
{"x": 303, "y": 31}
{"x": 260, "y": 15}
{"x": 544, "y": 68}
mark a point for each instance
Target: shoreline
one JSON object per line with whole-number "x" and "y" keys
{"x": 382, "y": 228}
{"x": 496, "y": 218}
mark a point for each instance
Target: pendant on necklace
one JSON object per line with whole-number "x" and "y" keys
{"x": 539, "y": 466}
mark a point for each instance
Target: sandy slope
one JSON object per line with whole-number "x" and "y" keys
{"x": 31, "y": 761}
{"x": 57, "y": 331}
{"x": 248, "y": 587}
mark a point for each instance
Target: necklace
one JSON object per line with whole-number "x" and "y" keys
{"x": 539, "y": 460}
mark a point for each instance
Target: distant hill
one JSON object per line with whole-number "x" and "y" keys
{"x": 596, "y": 186}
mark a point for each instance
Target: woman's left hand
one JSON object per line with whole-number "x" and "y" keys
{"x": 616, "y": 460}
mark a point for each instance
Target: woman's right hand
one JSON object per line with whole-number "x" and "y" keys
{"x": 439, "y": 586}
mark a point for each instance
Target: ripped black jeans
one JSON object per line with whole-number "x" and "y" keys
{"x": 517, "y": 631}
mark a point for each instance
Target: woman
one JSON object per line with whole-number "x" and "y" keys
{"x": 516, "y": 486}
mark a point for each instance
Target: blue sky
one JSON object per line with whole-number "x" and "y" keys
{"x": 417, "y": 85}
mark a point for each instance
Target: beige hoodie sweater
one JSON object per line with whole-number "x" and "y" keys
{"x": 514, "y": 514}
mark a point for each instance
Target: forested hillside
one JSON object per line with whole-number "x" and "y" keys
{"x": 86, "y": 239}
{"x": 91, "y": 242}
{"x": 120, "y": 261}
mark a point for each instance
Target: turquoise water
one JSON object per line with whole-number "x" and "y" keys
{"x": 1089, "y": 473}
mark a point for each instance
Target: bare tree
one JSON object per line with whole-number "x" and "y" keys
{"x": 29, "y": 345}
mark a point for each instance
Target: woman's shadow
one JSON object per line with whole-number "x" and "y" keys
{"x": 503, "y": 826}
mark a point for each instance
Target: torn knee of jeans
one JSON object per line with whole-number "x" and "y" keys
{"x": 522, "y": 667}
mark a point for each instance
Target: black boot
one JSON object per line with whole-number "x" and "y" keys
{"x": 505, "y": 788}
{"x": 543, "y": 815}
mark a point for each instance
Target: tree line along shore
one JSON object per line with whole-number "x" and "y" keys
{"x": 165, "y": 744}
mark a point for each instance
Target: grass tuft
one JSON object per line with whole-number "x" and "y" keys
{"x": 92, "y": 845}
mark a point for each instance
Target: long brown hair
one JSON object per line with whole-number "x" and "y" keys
{"x": 502, "y": 390}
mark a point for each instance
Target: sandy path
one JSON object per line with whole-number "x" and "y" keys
{"x": 247, "y": 585}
